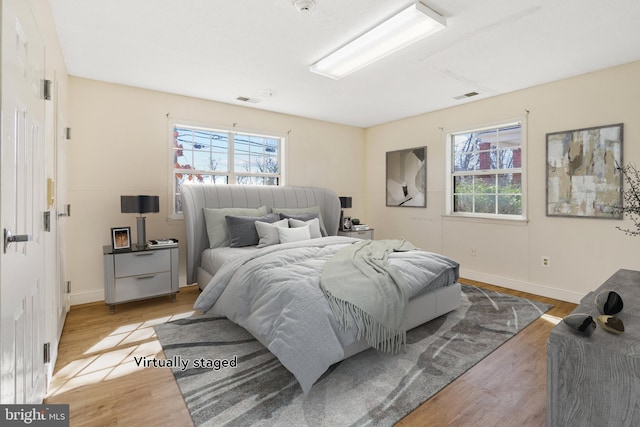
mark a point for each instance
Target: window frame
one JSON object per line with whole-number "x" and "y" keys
{"x": 231, "y": 174}
{"x": 451, "y": 173}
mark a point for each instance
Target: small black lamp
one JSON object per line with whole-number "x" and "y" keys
{"x": 140, "y": 205}
{"x": 345, "y": 203}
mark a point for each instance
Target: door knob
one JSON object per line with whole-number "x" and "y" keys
{"x": 10, "y": 238}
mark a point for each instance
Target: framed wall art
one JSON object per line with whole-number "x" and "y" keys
{"x": 583, "y": 179}
{"x": 407, "y": 177}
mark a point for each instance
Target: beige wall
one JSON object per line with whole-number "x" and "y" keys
{"x": 120, "y": 146}
{"x": 120, "y": 140}
{"x": 584, "y": 252}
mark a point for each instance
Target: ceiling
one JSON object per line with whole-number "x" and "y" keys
{"x": 262, "y": 49}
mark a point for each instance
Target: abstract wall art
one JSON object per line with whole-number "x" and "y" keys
{"x": 583, "y": 179}
{"x": 407, "y": 177}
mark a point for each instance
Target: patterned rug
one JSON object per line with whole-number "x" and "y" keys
{"x": 227, "y": 378}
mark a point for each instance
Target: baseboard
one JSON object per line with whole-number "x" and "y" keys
{"x": 519, "y": 285}
{"x": 86, "y": 297}
{"x": 92, "y": 296}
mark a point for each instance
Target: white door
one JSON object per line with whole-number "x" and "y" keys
{"x": 56, "y": 295}
{"x": 61, "y": 298}
{"x": 22, "y": 202}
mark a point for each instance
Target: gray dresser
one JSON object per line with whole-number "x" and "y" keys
{"x": 595, "y": 381}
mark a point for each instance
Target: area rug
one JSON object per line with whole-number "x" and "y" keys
{"x": 227, "y": 378}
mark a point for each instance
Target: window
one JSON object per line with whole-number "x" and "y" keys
{"x": 215, "y": 156}
{"x": 486, "y": 172}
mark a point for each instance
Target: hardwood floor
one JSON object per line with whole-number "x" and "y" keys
{"x": 96, "y": 372}
{"x": 507, "y": 388}
{"x": 97, "y": 376}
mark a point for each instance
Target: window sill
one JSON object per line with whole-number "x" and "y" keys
{"x": 173, "y": 219}
{"x": 486, "y": 219}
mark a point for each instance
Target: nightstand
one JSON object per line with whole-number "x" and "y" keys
{"x": 362, "y": 234}
{"x": 139, "y": 274}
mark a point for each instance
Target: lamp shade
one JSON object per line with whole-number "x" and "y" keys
{"x": 345, "y": 202}
{"x": 139, "y": 204}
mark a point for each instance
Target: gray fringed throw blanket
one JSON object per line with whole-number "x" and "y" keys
{"x": 359, "y": 282}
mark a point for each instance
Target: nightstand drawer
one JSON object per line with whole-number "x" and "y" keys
{"x": 143, "y": 286}
{"x": 358, "y": 234}
{"x": 143, "y": 262}
{"x": 364, "y": 234}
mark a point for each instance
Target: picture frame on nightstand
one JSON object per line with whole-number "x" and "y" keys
{"x": 121, "y": 238}
{"x": 346, "y": 223}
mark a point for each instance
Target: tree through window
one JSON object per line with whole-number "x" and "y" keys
{"x": 486, "y": 171}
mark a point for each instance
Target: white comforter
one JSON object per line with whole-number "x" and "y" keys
{"x": 275, "y": 294}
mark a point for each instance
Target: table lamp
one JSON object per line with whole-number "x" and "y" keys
{"x": 140, "y": 205}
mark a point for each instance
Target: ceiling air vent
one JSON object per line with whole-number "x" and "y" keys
{"x": 466, "y": 95}
{"x": 246, "y": 99}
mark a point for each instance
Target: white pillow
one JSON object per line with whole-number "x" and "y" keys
{"x": 268, "y": 232}
{"x": 314, "y": 226}
{"x": 301, "y": 211}
{"x": 288, "y": 235}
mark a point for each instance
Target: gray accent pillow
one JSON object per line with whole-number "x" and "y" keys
{"x": 217, "y": 229}
{"x": 268, "y": 233}
{"x": 314, "y": 226}
{"x": 242, "y": 229}
{"x": 302, "y": 214}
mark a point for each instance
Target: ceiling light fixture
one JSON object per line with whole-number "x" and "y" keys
{"x": 407, "y": 27}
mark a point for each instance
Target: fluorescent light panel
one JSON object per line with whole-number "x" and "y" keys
{"x": 407, "y": 27}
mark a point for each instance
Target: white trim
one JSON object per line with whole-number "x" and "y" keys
{"x": 86, "y": 297}
{"x": 487, "y": 219}
{"x": 519, "y": 285}
{"x": 222, "y": 127}
{"x": 486, "y": 125}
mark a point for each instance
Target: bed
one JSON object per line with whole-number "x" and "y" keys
{"x": 246, "y": 282}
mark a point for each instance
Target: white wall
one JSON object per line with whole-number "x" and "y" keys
{"x": 120, "y": 146}
{"x": 584, "y": 252}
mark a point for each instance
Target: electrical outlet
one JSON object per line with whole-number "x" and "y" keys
{"x": 545, "y": 261}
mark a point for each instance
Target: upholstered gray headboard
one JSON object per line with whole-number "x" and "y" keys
{"x": 195, "y": 197}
